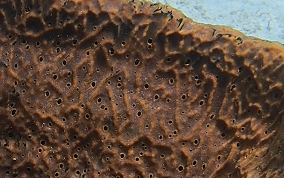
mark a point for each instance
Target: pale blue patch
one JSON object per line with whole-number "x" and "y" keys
{"x": 260, "y": 18}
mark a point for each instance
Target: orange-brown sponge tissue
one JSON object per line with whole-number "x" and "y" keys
{"x": 128, "y": 88}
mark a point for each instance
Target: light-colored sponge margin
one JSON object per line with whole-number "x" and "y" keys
{"x": 260, "y": 18}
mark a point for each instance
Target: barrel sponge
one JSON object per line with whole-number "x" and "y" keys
{"x": 116, "y": 88}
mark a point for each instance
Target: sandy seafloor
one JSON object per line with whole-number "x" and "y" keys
{"x": 260, "y": 18}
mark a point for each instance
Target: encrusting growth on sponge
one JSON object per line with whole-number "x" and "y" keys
{"x": 112, "y": 88}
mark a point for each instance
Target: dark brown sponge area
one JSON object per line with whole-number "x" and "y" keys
{"x": 111, "y": 88}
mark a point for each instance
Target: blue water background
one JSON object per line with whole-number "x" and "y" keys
{"x": 260, "y": 18}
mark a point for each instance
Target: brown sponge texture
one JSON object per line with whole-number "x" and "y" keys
{"x": 114, "y": 88}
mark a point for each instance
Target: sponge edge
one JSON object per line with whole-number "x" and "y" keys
{"x": 255, "y": 18}
{"x": 111, "y": 88}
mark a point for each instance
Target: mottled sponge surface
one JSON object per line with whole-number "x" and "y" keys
{"x": 111, "y": 88}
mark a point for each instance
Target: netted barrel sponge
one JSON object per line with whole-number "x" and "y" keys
{"x": 112, "y": 88}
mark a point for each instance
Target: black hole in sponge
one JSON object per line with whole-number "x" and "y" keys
{"x": 196, "y": 141}
{"x": 105, "y": 127}
{"x": 13, "y": 112}
{"x": 46, "y": 93}
{"x": 146, "y": 86}
{"x": 74, "y": 42}
{"x": 54, "y": 77}
{"x": 180, "y": 168}
{"x": 40, "y": 58}
{"x": 187, "y": 62}
{"x": 111, "y": 51}
{"x": 156, "y": 97}
{"x": 59, "y": 101}
{"x": 42, "y": 142}
{"x": 75, "y": 156}
{"x": 93, "y": 84}
{"x": 240, "y": 69}
{"x": 136, "y": 62}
